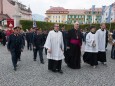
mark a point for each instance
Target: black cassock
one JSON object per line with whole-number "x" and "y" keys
{"x": 72, "y": 55}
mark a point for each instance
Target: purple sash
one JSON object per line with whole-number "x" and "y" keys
{"x": 75, "y": 42}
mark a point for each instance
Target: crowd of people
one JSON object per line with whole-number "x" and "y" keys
{"x": 61, "y": 44}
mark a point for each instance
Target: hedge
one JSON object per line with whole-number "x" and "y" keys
{"x": 47, "y": 26}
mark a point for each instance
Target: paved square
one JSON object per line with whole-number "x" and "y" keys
{"x": 30, "y": 73}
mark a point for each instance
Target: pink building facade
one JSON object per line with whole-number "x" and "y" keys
{"x": 12, "y": 9}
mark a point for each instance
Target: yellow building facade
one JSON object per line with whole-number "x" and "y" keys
{"x": 57, "y": 15}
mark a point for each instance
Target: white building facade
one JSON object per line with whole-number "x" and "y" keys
{"x": 108, "y": 14}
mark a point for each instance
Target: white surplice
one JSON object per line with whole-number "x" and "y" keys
{"x": 101, "y": 40}
{"x": 54, "y": 42}
{"x": 90, "y": 38}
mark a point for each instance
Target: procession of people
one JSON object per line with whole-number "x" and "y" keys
{"x": 62, "y": 45}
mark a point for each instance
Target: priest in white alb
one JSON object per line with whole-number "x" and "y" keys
{"x": 55, "y": 47}
{"x": 102, "y": 43}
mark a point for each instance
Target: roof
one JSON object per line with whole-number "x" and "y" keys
{"x": 20, "y": 5}
{"x": 3, "y": 16}
{"x": 57, "y": 10}
{"x": 77, "y": 11}
{"x": 61, "y": 10}
{"x": 113, "y": 3}
{"x": 96, "y": 9}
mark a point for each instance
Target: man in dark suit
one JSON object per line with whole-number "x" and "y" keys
{"x": 64, "y": 33}
{"x": 45, "y": 34}
{"x": 3, "y": 38}
{"x": 38, "y": 45}
{"x": 29, "y": 37}
{"x": 23, "y": 40}
{"x": 15, "y": 46}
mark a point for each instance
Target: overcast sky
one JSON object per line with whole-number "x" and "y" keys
{"x": 40, "y": 6}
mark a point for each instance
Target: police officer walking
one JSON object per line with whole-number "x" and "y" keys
{"x": 23, "y": 40}
{"x": 15, "y": 46}
{"x": 38, "y": 45}
{"x": 29, "y": 38}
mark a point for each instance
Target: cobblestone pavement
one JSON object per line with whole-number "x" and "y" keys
{"x": 30, "y": 73}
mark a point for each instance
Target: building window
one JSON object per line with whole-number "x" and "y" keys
{"x": 69, "y": 16}
{"x": 74, "y": 16}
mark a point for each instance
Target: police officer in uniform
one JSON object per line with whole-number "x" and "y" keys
{"x": 38, "y": 45}
{"x": 23, "y": 40}
{"x": 15, "y": 46}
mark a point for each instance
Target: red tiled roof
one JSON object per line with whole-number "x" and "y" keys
{"x": 77, "y": 11}
{"x": 57, "y": 10}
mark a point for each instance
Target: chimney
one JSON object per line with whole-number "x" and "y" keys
{"x": 51, "y": 6}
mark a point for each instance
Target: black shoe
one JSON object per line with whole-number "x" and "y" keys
{"x": 60, "y": 71}
{"x": 103, "y": 63}
{"x": 34, "y": 59}
{"x": 15, "y": 68}
{"x": 19, "y": 59}
{"x": 54, "y": 71}
{"x": 16, "y": 65}
{"x": 42, "y": 62}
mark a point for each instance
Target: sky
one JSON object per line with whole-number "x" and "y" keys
{"x": 40, "y": 6}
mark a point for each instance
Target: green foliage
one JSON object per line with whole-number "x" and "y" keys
{"x": 48, "y": 26}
